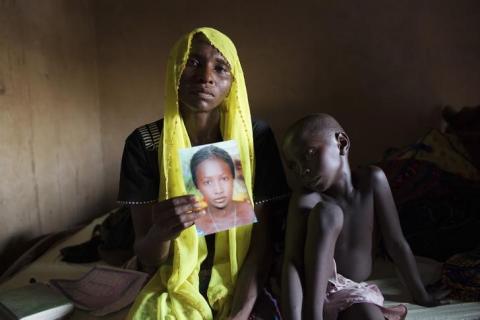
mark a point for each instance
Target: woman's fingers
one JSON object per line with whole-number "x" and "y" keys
{"x": 186, "y": 218}
{"x": 180, "y": 227}
{"x": 173, "y": 202}
{"x": 188, "y": 208}
{"x": 185, "y": 221}
{"x": 176, "y": 214}
{"x": 167, "y": 209}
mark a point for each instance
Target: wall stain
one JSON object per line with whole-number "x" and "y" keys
{"x": 35, "y": 182}
{"x": 32, "y": 152}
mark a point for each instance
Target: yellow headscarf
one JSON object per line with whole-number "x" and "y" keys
{"x": 173, "y": 292}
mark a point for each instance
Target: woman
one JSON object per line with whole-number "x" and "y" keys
{"x": 206, "y": 101}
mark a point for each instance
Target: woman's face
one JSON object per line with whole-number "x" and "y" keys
{"x": 206, "y": 79}
{"x": 215, "y": 182}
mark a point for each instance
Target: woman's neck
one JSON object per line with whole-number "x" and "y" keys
{"x": 202, "y": 127}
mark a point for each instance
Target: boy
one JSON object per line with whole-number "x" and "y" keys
{"x": 332, "y": 216}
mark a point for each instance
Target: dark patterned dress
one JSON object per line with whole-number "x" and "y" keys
{"x": 139, "y": 184}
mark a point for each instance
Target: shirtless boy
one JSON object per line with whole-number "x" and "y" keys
{"x": 333, "y": 214}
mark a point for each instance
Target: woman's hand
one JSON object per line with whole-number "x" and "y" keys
{"x": 172, "y": 216}
{"x": 157, "y": 224}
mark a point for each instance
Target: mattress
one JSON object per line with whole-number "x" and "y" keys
{"x": 49, "y": 265}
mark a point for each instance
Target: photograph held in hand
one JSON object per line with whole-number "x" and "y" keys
{"x": 213, "y": 173}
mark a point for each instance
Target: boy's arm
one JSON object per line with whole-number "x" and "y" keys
{"x": 292, "y": 270}
{"x": 396, "y": 245}
{"x": 325, "y": 223}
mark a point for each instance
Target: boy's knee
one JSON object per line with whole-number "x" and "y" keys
{"x": 327, "y": 216}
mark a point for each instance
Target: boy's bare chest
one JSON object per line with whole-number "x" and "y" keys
{"x": 358, "y": 223}
{"x": 353, "y": 249}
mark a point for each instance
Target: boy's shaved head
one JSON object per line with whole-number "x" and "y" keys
{"x": 318, "y": 124}
{"x": 315, "y": 150}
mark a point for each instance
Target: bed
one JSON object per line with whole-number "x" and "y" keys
{"x": 420, "y": 178}
{"x": 49, "y": 265}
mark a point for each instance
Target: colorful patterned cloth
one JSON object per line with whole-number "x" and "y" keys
{"x": 342, "y": 293}
{"x": 461, "y": 273}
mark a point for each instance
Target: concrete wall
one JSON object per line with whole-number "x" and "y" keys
{"x": 51, "y": 165}
{"x": 383, "y": 68}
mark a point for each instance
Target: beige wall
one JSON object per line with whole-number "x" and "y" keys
{"x": 76, "y": 77}
{"x": 383, "y": 68}
{"x": 51, "y": 165}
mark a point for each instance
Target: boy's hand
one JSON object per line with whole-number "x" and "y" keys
{"x": 437, "y": 293}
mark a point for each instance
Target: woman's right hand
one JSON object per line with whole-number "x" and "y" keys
{"x": 157, "y": 224}
{"x": 172, "y": 216}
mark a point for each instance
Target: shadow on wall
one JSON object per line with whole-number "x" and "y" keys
{"x": 13, "y": 247}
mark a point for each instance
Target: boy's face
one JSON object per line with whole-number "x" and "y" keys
{"x": 215, "y": 182}
{"x": 314, "y": 160}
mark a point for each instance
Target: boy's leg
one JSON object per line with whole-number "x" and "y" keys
{"x": 361, "y": 311}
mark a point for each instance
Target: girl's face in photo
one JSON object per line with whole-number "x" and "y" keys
{"x": 215, "y": 182}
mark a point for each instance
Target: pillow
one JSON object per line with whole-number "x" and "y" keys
{"x": 461, "y": 273}
{"x": 465, "y": 124}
